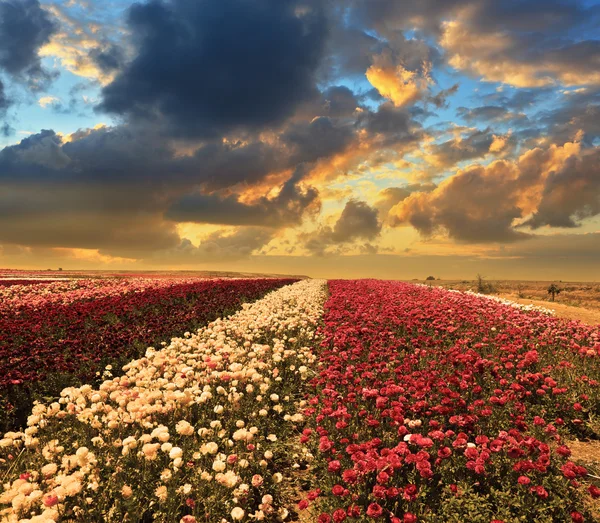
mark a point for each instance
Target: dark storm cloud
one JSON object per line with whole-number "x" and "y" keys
{"x": 320, "y": 138}
{"x": 24, "y": 28}
{"x": 358, "y": 221}
{"x": 4, "y": 100}
{"x": 340, "y": 101}
{"x": 285, "y": 209}
{"x": 115, "y": 181}
{"x": 106, "y": 189}
{"x": 108, "y": 59}
{"x": 349, "y": 52}
{"x": 390, "y": 125}
{"x": 211, "y": 67}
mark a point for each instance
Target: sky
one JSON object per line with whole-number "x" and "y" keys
{"x": 332, "y": 138}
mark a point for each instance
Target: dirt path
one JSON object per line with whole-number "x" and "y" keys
{"x": 589, "y": 316}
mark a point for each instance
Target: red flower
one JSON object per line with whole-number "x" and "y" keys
{"x": 576, "y": 517}
{"x": 324, "y": 518}
{"x": 339, "y": 515}
{"x": 337, "y": 490}
{"x": 540, "y": 491}
{"x": 444, "y": 452}
{"x": 594, "y": 491}
{"x": 334, "y": 466}
{"x": 350, "y": 476}
{"x": 374, "y": 510}
{"x": 410, "y": 518}
{"x": 524, "y": 480}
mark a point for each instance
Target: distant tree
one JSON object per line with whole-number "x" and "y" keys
{"x": 429, "y": 278}
{"x": 484, "y": 287}
{"x": 553, "y": 290}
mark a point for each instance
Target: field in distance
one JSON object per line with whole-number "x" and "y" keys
{"x": 6, "y": 274}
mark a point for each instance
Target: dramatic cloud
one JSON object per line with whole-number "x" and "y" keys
{"x": 4, "y": 100}
{"x": 558, "y": 186}
{"x": 522, "y": 60}
{"x": 477, "y": 205}
{"x": 491, "y": 113}
{"x": 577, "y": 116}
{"x": 217, "y": 247}
{"x": 477, "y": 144}
{"x": 285, "y": 209}
{"x": 24, "y": 28}
{"x": 396, "y": 83}
{"x": 571, "y": 193}
{"x": 239, "y": 63}
{"x": 297, "y": 127}
{"x": 392, "y": 196}
{"x": 358, "y": 221}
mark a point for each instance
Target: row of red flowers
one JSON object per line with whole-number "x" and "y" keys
{"x": 437, "y": 406}
{"x": 44, "y": 348}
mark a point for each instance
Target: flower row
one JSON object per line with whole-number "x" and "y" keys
{"x": 436, "y": 406}
{"x": 15, "y": 298}
{"x": 200, "y": 430}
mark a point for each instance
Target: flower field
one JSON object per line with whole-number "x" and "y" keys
{"x": 198, "y": 430}
{"x": 356, "y": 400}
{"x": 440, "y": 406}
{"x": 62, "y": 333}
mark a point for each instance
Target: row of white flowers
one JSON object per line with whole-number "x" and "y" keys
{"x": 200, "y": 430}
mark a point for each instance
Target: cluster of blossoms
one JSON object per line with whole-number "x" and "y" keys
{"x": 200, "y": 430}
{"x": 50, "y": 341}
{"x": 436, "y": 406}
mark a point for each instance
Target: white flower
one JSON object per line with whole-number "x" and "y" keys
{"x": 161, "y": 493}
{"x": 175, "y": 453}
{"x": 219, "y": 466}
{"x": 277, "y": 477}
{"x": 184, "y": 428}
{"x": 238, "y": 513}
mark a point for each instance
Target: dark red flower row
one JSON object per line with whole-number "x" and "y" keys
{"x": 433, "y": 406}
